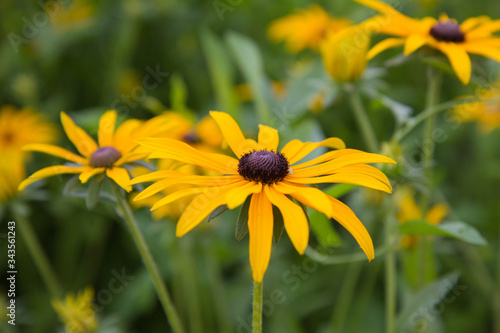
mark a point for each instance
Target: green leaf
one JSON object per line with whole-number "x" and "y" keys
{"x": 424, "y": 303}
{"x": 279, "y": 224}
{"x": 242, "y": 223}
{"x": 70, "y": 185}
{"x": 458, "y": 230}
{"x": 178, "y": 95}
{"x": 93, "y": 192}
{"x": 249, "y": 60}
{"x": 221, "y": 73}
{"x": 323, "y": 230}
{"x": 216, "y": 212}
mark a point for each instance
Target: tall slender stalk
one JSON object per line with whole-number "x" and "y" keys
{"x": 257, "y": 307}
{"x": 148, "y": 260}
{"x": 390, "y": 271}
{"x": 37, "y": 254}
{"x": 364, "y": 123}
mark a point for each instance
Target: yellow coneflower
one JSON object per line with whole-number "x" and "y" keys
{"x": 344, "y": 54}
{"x": 486, "y": 111}
{"x": 271, "y": 177}
{"x": 409, "y": 211}
{"x": 77, "y": 311}
{"x": 78, "y": 14}
{"x": 115, "y": 148}
{"x": 306, "y": 29}
{"x": 456, "y": 41}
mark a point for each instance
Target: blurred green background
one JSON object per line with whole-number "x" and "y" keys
{"x": 89, "y": 57}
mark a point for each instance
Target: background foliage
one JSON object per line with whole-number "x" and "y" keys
{"x": 203, "y": 50}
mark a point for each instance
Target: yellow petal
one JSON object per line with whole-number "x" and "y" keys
{"x": 484, "y": 50}
{"x": 260, "y": 230}
{"x": 309, "y": 196}
{"x": 268, "y": 138}
{"x": 238, "y": 195}
{"x": 200, "y": 207}
{"x": 384, "y": 45}
{"x": 56, "y": 151}
{"x": 157, "y": 175}
{"x": 437, "y": 213}
{"x": 187, "y": 179}
{"x": 345, "y": 216}
{"x": 484, "y": 30}
{"x": 107, "y": 125}
{"x": 459, "y": 60}
{"x": 296, "y": 150}
{"x": 354, "y": 178}
{"x": 86, "y": 175}
{"x": 231, "y": 131}
{"x": 82, "y": 141}
{"x": 121, "y": 177}
{"x": 325, "y": 157}
{"x": 122, "y": 140}
{"x": 176, "y": 196}
{"x": 183, "y": 152}
{"x": 51, "y": 171}
{"x": 473, "y": 22}
{"x": 342, "y": 161}
{"x": 295, "y": 220}
{"x": 413, "y": 43}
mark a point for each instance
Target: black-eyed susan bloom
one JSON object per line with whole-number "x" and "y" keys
{"x": 271, "y": 177}
{"x": 306, "y": 28}
{"x": 475, "y": 36}
{"x": 113, "y": 150}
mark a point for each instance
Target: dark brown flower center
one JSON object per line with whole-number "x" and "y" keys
{"x": 263, "y": 166}
{"x": 8, "y": 137}
{"x": 104, "y": 157}
{"x": 447, "y": 31}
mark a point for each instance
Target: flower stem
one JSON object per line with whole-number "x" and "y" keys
{"x": 257, "y": 307}
{"x": 148, "y": 260}
{"x": 38, "y": 255}
{"x": 390, "y": 273}
{"x": 433, "y": 89}
{"x": 364, "y": 123}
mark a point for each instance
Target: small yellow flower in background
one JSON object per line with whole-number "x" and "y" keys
{"x": 270, "y": 177}
{"x": 305, "y": 29}
{"x": 486, "y": 111}
{"x": 409, "y": 211}
{"x": 474, "y": 36}
{"x": 115, "y": 149}
{"x": 22, "y": 127}
{"x": 77, "y": 312}
{"x": 244, "y": 91}
{"x": 79, "y": 14}
{"x": 344, "y": 54}
{"x": 12, "y": 173}
{"x": 17, "y": 129}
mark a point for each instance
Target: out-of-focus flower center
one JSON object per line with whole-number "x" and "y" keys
{"x": 447, "y": 31}
{"x": 8, "y": 137}
{"x": 191, "y": 137}
{"x": 104, "y": 157}
{"x": 263, "y": 166}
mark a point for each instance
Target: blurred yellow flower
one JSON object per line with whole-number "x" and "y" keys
{"x": 12, "y": 172}
{"x": 115, "y": 149}
{"x": 486, "y": 111}
{"x": 244, "y": 91}
{"x": 306, "y": 28}
{"x": 22, "y": 127}
{"x": 270, "y": 177}
{"x": 77, "y": 311}
{"x": 474, "y": 35}
{"x": 344, "y": 54}
{"x": 78, "y": 14}
{"x": 409, "y": 211}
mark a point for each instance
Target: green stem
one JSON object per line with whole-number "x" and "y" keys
{"x": 148, "y": 260}
{"x": 257, "y": 307}
{"x": 38, "y": 255}
{"x": 433, "y": 90}
{"x": 496, "y": 298}
{"x": 390, "y": 276}
{"x": 363, "y": 121}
